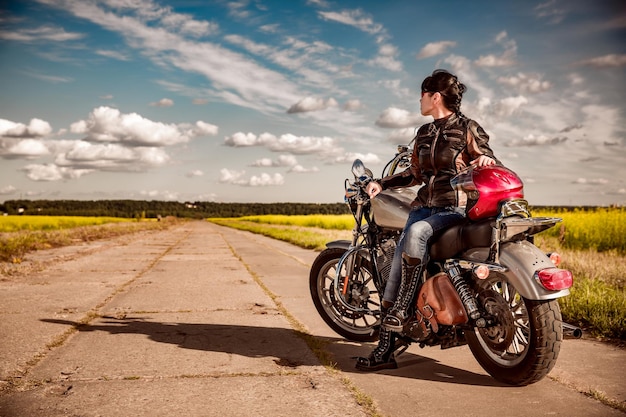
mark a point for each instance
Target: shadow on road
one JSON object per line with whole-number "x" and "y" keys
{"x": 256, "y": 342}
{"x": 410, "y": 366}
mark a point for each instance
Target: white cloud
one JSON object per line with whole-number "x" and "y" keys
{"x": 596, "y": 181}
{"x": 43, "y": 33}
{"x": 228, "y": 176}
{"x": 205, "y": 129}
{"x": 234, "y": 77}
{"x": 538, "y": 140}
{"x": 164, "y": 102}
{"x": 282, "y": 161}
{"x": 308, "y": 104}
{"x": 526, "y": 83}
{"x": 52, "y": 172}
{"x": 284, "y": 143}
{"x": 494, "y": 61}
{"x": 311, "y": 62}
{"x": 54, "y": 79}
{"x": 386, "y": 58}
{"x": 106, "y": 124}
{"x": 550, "y": 12}
{"x": 352, "y": 105}
{"x": 186, "y": 25}
{"x": 241, "y": 139}
{"x": 161, "y": 195}
{"x": 270, "y": 28}
{"x": 264, "y": 180}
{"x": 509, "y": 105}
{"x": 356, "y": 18}
{"x": 112, "y": 54}
{"x": 395, "y": 86}
{"x": 111, "y": 157}
{"x": 402, "y": 136}
{"x": 237, "y": 178}
{"x": 35, "y": 128}
{"x": 195, "y": 173}
{"x": 435, "y": 48}
{"x": 9, "y": 189}
{"x": 264, "y": 162}
{"x": 506, "y": 59}
{"x": 299, "y": 169}
{"x": 349, "y": 157}
{"x": 606, "y": 61}
{"x": 393, "y": 117}
{"x": 26, "y": 149}
{"x": 113, "y": 142}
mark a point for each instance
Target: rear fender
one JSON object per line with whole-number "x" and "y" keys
{"x": 522, "y": 259}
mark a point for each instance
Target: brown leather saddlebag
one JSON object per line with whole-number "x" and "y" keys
{"x": 439, "y": 303}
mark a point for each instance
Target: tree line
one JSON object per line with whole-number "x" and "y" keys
{"x": 157, "y": 209}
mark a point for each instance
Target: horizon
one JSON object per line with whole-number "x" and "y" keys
{"x": 266, "y": 101}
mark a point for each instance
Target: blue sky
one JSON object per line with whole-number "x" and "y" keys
{"x": 271, "y": 100}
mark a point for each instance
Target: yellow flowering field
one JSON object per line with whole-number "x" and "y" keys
{"x": 602, "y": 229}
{"x": 10, "y": 224}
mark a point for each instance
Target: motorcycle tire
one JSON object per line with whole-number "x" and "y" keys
{"x": 523, "y": 346}
{"x": 354, "y": 326}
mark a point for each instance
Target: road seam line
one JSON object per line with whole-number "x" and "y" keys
{"x": 314, "y": 343}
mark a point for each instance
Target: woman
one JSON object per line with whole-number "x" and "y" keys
{"x": 442, "y": 148}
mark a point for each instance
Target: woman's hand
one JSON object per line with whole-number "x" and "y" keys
{"x": 483, "y": 161}
{"x": 373, "y": 189}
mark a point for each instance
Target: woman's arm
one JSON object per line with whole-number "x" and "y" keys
{"x": 478, "y": 145}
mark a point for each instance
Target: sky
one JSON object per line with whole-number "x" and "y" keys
{"x": 271, "y": 100}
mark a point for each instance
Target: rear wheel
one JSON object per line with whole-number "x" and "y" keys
{"x": 352, "y": 311}
{"x": 523, "y": 345}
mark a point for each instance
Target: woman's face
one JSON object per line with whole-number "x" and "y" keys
{"x": 427, "y": 104}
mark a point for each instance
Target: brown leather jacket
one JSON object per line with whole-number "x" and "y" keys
{"x": 442, "y": 148}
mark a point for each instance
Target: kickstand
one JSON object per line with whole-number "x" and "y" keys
{"x": 401, "y": 349}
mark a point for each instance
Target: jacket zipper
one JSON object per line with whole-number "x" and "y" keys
{"x": 431, "y": 180}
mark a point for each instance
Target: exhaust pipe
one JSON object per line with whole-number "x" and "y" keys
{"x": 571, "y": 331}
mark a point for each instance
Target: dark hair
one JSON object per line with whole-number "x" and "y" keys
{"x": 446, "y": 84}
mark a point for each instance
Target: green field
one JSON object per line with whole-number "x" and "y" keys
{"x": 10, "y": 224}
{"x": 22, "y": 234}
{"x": 592, "y": 243}
{"x": 602, "y": 229}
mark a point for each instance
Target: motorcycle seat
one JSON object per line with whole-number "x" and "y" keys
{"x": 461, "y": 237}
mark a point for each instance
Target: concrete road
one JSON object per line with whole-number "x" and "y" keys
{"x": 202, "y": 320}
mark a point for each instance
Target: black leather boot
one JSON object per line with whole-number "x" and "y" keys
{"x": 382, "y": 356}
{"x": 398, "y": 315}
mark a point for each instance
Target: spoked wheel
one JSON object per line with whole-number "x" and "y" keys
{"x": 352, "y": 310}
{"x": 523, "y": 344}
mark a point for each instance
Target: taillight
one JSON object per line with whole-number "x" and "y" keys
{"x": 554, "y": 279}
{"x": 481, "y": 272}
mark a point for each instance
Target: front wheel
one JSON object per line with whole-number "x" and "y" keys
{"x": 354, "y": 315}
{"x": 522, "y": 346}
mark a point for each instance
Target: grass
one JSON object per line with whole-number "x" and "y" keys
{"x": 597, "y": 301}
{"x": 320, "y": 221}
{"x": 9, "y": 224}
{"x": 308, "y": 237}
{"x": 596, "y": 257}
{"x": 602, "y": 229}
{"x": 24, "y": 234}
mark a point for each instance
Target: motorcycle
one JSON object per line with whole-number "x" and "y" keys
{"x": 486, "y": 284}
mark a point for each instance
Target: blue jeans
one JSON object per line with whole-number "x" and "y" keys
{"x": 422, "y": 224}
